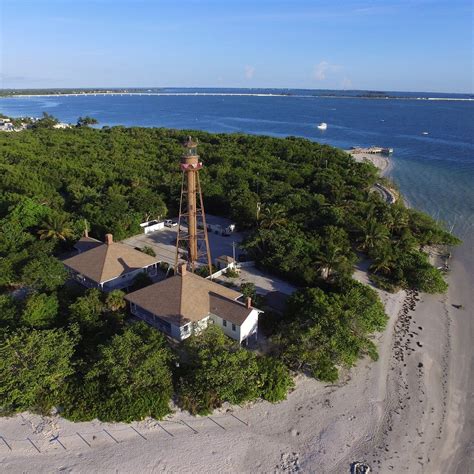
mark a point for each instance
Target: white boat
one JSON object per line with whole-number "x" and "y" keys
{"x": 323, "y": 126}
{"x": 425, "y": 133}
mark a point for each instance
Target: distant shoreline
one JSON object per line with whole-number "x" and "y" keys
{"x": 232, "y": 94}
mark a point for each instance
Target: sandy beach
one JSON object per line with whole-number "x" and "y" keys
{"x": 382, "y": 162}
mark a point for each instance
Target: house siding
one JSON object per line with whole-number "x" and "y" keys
{"x": 247, "y": 329}
{"x": 250, "y": 325}
{"x": 218, "y": 321}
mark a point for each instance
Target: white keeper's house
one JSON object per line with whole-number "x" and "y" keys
{"x": 108, "y": 266}
{"x": 186, "y": 303}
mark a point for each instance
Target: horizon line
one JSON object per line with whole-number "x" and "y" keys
{"x": 228, "y": 87}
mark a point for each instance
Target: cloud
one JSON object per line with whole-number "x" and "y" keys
{"x": 346, "y": 83}
{"x": 324, "y": 68}
{"x": 249, "y": 72}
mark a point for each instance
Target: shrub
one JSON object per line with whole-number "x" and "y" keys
{"x": 40, "y": 310}
{"x": 231, "y": 273}
{"x": 130, "y": 380}
{"x": 203, "y": 271}
{"x": 218, "y": 370}
{"x": 148, "y": 250}
{"x": 325, "y": 330}
{"x": 274, "y": 379}
{"x": 33, "y": 367}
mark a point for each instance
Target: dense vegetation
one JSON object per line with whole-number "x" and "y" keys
{"x": 309, "y": 211}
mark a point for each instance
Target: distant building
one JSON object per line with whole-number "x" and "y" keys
{"x": 108, "y": 266}
{"x": 6, "y": 125}
{"x": 186, "y": 303}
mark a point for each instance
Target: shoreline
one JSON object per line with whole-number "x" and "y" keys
{"x": 385, "y": 165}
{"x": 381, "y": 162}
{"x": 230, "y": 94}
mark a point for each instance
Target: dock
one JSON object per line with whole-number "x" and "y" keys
{"x": 373, "y": 150}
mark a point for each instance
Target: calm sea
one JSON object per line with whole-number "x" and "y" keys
{"x": 435, "y": 171}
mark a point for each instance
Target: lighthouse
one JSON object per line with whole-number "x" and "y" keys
{"x": 192, "y": 229}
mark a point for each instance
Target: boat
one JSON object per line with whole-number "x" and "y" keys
{"x": 425, "y": 133}
{"x": 323, "y": 126}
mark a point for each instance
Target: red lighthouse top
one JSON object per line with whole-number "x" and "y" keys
{"x": 190, "y": 159}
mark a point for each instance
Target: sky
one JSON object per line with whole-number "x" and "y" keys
{"x": 385, "y": 45}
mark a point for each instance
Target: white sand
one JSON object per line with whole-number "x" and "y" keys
{"x": 382, "y": 162}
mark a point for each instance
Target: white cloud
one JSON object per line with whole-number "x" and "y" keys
{"x": 346, "y": 83}
{"x": 324, "y": 68}
{"x": 249, "y": 72}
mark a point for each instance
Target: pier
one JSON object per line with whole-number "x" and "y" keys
{"x": 373, "y": 150}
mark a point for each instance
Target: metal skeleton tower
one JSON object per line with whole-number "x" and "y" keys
{"x": 193, "y": 236}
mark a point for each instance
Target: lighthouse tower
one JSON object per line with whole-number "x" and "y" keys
{"x": 192, "y": 230}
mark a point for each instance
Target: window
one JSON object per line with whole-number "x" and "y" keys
{"x": 233, "y": 327}
{"x": 224, "y": 323}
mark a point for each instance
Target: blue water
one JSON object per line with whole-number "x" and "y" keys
{"x": 435, "y": 172}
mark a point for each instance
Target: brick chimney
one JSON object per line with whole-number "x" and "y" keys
{"x": 182, "y": 269}
{"x": 248, "y": 302}
{"x": 109, "y": 239}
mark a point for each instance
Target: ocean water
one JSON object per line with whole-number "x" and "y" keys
{"x": 435, "y": 172}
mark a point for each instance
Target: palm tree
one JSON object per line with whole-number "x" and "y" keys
{"x": 399, "y": 217}
{"x": 383, "y": 261}
{"x": 329, "y": 260}
{"x": 272, "y": 216}
{"x": 55, "y": 227}
{"x": 373, "y": 233}
{"x": 115, "y": 300}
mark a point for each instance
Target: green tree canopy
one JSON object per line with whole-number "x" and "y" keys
{"x": 324, "y": 331}
{"x": 33, "y": 367}
{"x": 218, "y": 370}
{"x": 40, "y": 311}
{"x": 130, "y": 380}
